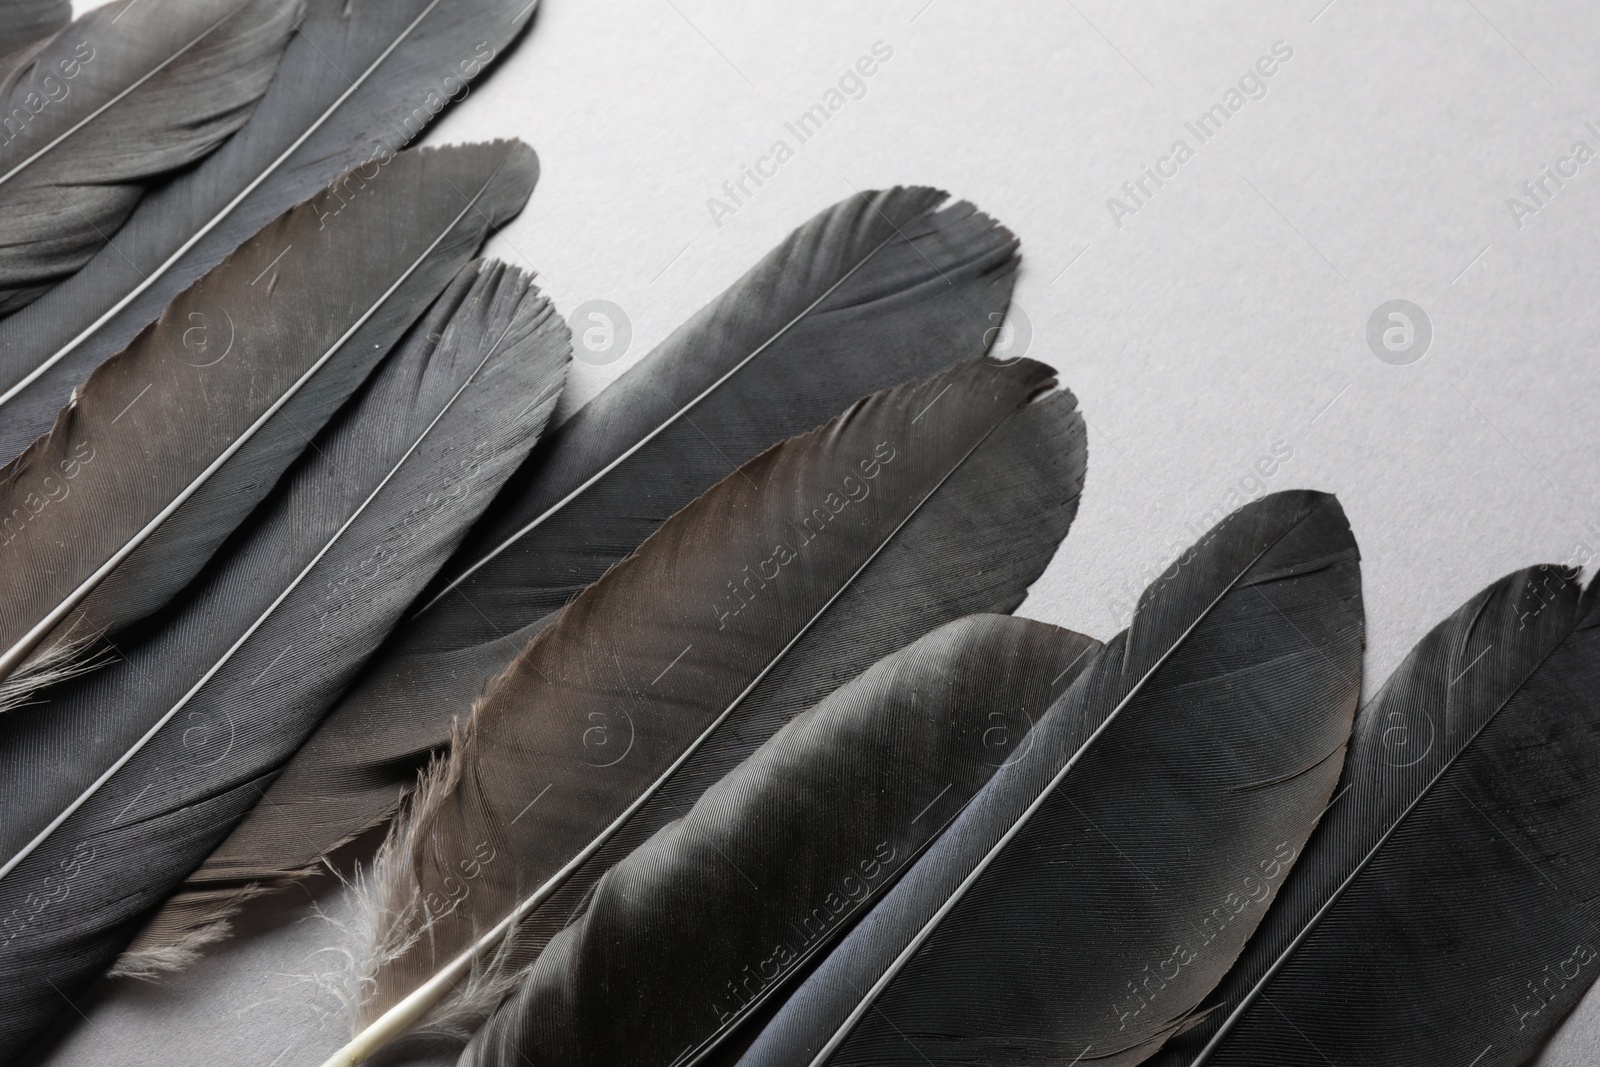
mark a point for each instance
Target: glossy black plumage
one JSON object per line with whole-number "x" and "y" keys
{"x": 1093, "y": 893}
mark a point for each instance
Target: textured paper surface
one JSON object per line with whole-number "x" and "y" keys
{"x": 1221, "y": 325}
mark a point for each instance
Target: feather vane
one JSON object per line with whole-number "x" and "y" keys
{"x": 625, "y": 686}
{"x": 132, "y": 91}
{"x": 210, "y": 703}
{"x": 22, "y": 22}
{"x": 169, "y": 445}
{"x": 879, "y": 288}
{"x": 737, "y": 895}
{"x": 1446, "y": 904}
{"x": 1086, "y": 901}
{"x": 357, "y": 82}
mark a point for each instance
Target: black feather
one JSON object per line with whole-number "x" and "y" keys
{"x": 1094, "y": 892}
{"x": 881, "y": 287}
{"x": 716, "y": 911}
{"x": 1445, "y": 911}
{"x": 358, "y": 81}
{"x": 130, "y": 776}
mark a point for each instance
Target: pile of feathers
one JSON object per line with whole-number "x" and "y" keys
{"x": 699, "y": 724}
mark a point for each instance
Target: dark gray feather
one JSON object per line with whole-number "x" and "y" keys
{"x": 1445, "y": 912}
{"x": 168, "y": 446}
{"x": 132, "y": 91}
{"x": 1093, "y": 893}
{"x": 118, "y": 784}
{"x": 700, "y": 924}
{"x": 881, "y": 287}
{"x": 22, "y": 22}
{"x": 358, "y": 81}
{"x": 600, "y": 710}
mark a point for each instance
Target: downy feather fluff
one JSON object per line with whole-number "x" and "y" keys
{"x": 1088, "y": 898}
{"x": 600, "y": 709}
{"x": 22, "y": 22}
{"x": 359, "y": 80}
{"x": 131, "y": 91}
{"x": 167, "y": 447}
{"x": 119, "y": 783}
{"x": 879, "y": 288}
{"x": 1445, "y": 912}
{"x": 720, "y": 908}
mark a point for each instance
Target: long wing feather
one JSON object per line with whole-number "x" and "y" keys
{"x": 169, "y": 445}
{"x": 1444, "y": 913}
{"x": 130, "y": 92}
{"x": 1088, "y": 899}
{"x": 22, "y": 22}
{"x": 718, "y": 910}
{"x": 129, "y": 777}
{"x": 880, "y": 288}
{"x": 358, "y": 81}
{"x": 599, "y": 710}
{"x": 975, "y": 547}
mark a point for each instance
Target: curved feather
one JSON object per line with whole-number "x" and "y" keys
{"x": 22, "y": 22}
{"x": 1086, "y": 901}
{"x": 975, "y": 547}
{"x": 601, "y": 708}
{"x": 1445, "y": 911}
{"x": 879, "y": 288}
{"x": 130, "y": 92}
{"x": 169, "y": 445}
{"x": 358, "y": 81}
{"x": 720, "y": 908}
{"x": 116, "y": 808}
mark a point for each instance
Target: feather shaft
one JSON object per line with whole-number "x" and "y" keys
{"x": 415, "y": 1007}
{"x": 314, "y": 125}
{"x": 175, "y": 78}
{"x": 1501, "y": 683}
{"x": 1205, "y": 735}
{"x": 256, "y": 624}
{"x": 635, "y": 621}
{"x": 13, "y": 657}
{"x": 921, "y": 937}
{"x": 622, "y": 457}
{"x": 241, "y": 668}
{"x": 130, "y": 530}
{"x": 844, "y": 307}
{"x": 765, "y": 850}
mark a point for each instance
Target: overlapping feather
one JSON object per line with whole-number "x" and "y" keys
{"x": 1092, "y": 894}
{"x": 604, "y": 706}
{"x": 169, "y": 445}
{"x": 115, "y": 786}
{"x": 720, "y": 908}
{"x": 129, "y": 92}
{"x": 1445, "y": 910}
{"x": 358, "y": 82}
{"x": 22, "y": 22}
{"x": 876, "y": 289}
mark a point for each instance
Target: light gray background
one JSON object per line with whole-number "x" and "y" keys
{"x": 1226, "y": 316}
